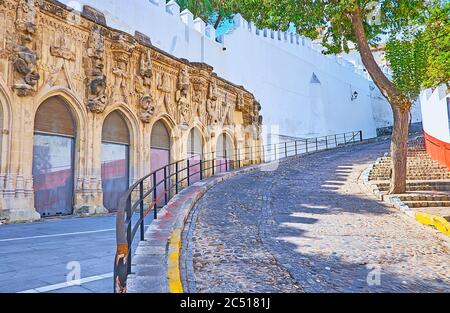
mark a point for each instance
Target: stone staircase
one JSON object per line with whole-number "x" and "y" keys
{"x": 428, "y": 182}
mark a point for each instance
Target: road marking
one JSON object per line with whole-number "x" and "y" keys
{"x": 173, "y": 266}
{"x": 59, "y": 235}
{"x": 68, "y": 284}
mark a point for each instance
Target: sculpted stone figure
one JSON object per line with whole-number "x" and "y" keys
{"x": 94, "y": 71}
{"x": 120, "y": 85}
{"x": 182, "y": 97}
{"x": 143, "y": 88}
{"x": 146, "y": 69}
{"x": 164, "y": 87}
{"x": 229, "y": 111}
{"x": 240, "y": 101}
{"x": 211, "y": 104}
{"x": 146, "y": 108}
{"x": 121, "y": 47}
{"x": 24, "y": 57}
{"x": 255, "y": 113}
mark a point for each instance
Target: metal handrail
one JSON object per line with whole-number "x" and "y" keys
{"x": 180, "y": 178}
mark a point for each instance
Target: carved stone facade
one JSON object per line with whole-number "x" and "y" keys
{"x": 48, "y": 50}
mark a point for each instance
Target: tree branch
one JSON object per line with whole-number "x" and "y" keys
{"x": 386, "y": 87}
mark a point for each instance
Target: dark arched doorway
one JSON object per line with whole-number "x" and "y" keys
{"x": 53, "y": 158}
{"x": 195, "y": 153}
{"x": 224, "y": 153}
{"x": 115, "y": 159}
{"x": 160, "y": 155}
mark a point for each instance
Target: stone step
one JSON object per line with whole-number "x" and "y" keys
{"x": 426, "y": 204}
{"x": 413, "y": 186}
{"x": 410, "y": 177}
{"x": 424, "y": 197}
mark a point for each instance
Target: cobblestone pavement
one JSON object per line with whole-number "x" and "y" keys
{"x": 309, "y": 226}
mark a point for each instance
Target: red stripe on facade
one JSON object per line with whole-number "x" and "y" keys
{"x": 438, "y": 150}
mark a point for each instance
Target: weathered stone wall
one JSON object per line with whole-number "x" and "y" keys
{"x": 47, "y": 50}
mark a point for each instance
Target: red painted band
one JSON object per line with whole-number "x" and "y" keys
{"x": 438, "y": 150}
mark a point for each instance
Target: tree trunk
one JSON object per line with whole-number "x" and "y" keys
{"x": 399, "y": 104}
{"x": 399, "y": 151}
{"x": 217, "y": 23}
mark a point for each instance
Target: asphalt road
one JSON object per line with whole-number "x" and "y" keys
{"x": 41, "y": 256}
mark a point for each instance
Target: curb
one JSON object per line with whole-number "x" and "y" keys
{"x": 438, "y": 222}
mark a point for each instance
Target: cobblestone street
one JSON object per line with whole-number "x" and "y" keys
{"x": 308, "y": 226}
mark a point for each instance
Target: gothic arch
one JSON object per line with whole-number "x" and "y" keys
{"x": 55, "y": 136}
{"x": 194, "y": 133}
{"x": 79, "y": 113}
{"x": 5, "y": 127}
{"x": 74, "y": 104}
{"x": 118, "y": 150}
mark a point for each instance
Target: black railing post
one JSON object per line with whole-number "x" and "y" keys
{"x": 335, "y": 140}
{"x": 129, "y": 239}
{"x": 213, "y": 165}
{"x": 317, "y": 145}
{"x": 201, "y": 169}
{"x": 176, "y": 178}
{"x": 155, "y": 214}
{"x": 285, "y": 149}
{"x": 239, "y": 158}
{"x": 326, "y": 142}
{"x": 360, "y": 135}
{"x": 141, "y": 207}
{"x": 166, "y": 199}
{"x": 345, "y": 140}
{"x": 296, "y": 147}
{"x": 306, "y": 145}
{"x": 188, "y": 172}
{"x": 226, "y": 161}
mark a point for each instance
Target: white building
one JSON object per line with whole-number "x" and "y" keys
{"x": 302, "y": 92}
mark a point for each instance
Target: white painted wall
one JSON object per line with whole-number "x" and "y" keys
{"x": 276, "y": 68}
{"x": 435, "y": 113}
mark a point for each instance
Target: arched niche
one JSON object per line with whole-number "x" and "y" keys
{"x": 195, "y": 152}
{"x": 115, "y": 159}
{"x": 53, "y": 158}
{"x": 160, "y": 147}
{"x": 224, "y": 152}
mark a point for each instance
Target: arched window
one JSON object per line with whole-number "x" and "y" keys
{"x": 53, "y": 158}
{"x": 160, "y": 145}
{"x": 224, "y": 152}
{"x": 195, "y": 154}
{"x": 115, "y": 159}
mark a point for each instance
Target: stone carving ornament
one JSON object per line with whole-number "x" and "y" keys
{"x": 164, "y": 87}
{"x": 94, "y": 64}
{"x": 240, "y": 101}
{"x": 199, "y": 100}
{"x": 121, "y": 48}
{"x": 211, "y": 104}
{"x": 182, "y": 97}
{"x": 24, "y": 57}
{"x": 143, "y": 87}
{"x": 62, "y": 50}
{"x": 229, "y": 107}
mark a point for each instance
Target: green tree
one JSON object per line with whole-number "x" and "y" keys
{"x": 437, "y": 37}
{"x": 408, "y": 59}
{"x": 213, "y": 12}
{"x": 365, "y": 23}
